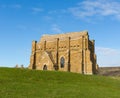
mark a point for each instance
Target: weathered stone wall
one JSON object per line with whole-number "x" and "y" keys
{"x": 76, "y": 49}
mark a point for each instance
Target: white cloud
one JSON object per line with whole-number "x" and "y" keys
{"x": 108, "y": 56}
{"x": 107, "y": 51}
{"x": 89, "y": 8}
{"x": 53, "y": 12}
{"x": 56, "y": 28}
{"x": 61, "y": 11}
{"x": 37, "y": 10}
{"x": 47, "y": 18}
{"x": 17, "y": 6}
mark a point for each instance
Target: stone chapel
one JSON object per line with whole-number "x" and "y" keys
{"x": 72, "y": 52}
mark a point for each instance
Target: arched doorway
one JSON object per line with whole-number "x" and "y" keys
{"x": 62, "y": 62}
{"x": 45, "y": 67}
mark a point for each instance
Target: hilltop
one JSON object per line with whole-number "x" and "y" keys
{"x": 109, "y": 71}
{"x": 24, "y": 83}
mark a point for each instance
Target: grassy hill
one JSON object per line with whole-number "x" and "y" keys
{"x": 24, "y": 83}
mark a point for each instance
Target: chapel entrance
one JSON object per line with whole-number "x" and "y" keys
{"x": 45, "y": 67}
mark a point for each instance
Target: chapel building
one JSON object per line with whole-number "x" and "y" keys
{"x": 72, "y": 52}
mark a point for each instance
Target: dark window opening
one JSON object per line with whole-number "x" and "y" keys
{"x": 62, "y": 62}
{"x": 45, "y": 67}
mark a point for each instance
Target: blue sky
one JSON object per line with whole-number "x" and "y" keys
{"x": 22, "y": 21}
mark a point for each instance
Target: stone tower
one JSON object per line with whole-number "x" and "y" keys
{"x": 72, "y": 52}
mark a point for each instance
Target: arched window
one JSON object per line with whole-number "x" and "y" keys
{"x": 62, "y": 62}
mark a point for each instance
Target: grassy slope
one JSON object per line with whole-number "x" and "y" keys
{"x": 21, "y": 83}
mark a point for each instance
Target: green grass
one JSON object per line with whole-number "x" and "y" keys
{"x": 24, "y": 83}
